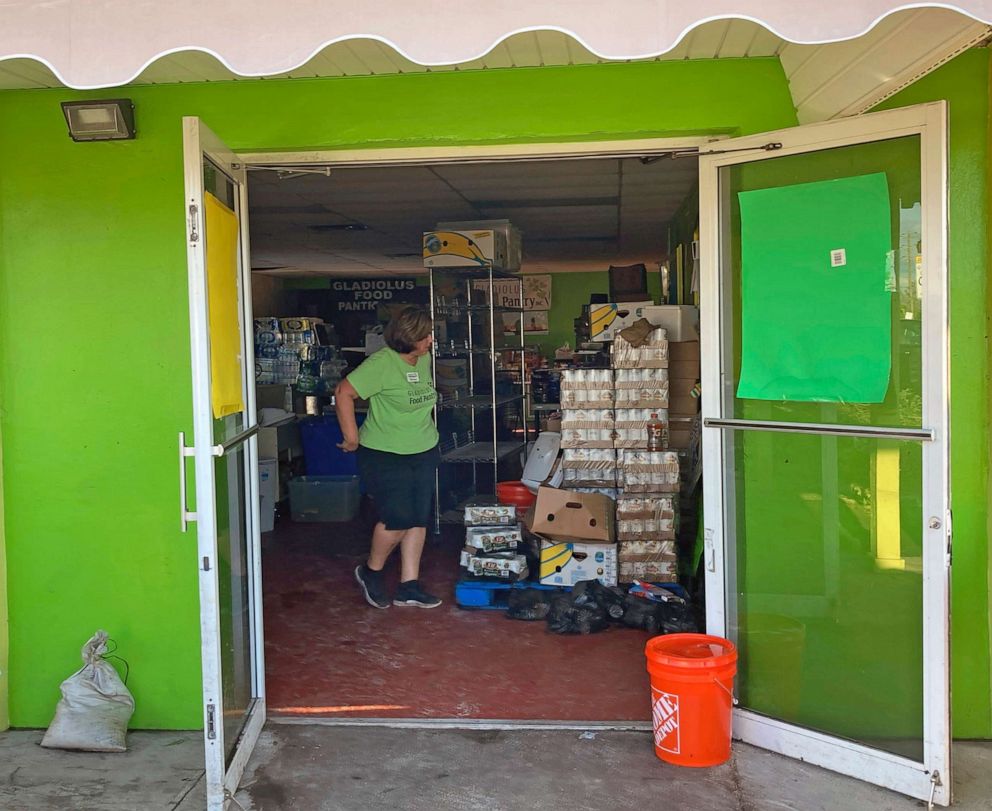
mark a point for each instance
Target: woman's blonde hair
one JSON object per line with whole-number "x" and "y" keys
{"x": 409, "y": 326}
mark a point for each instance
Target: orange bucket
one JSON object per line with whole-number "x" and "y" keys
{"x": 692, "y": 684}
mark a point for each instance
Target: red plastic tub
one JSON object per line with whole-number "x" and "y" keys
{"x": 515, "y": 493}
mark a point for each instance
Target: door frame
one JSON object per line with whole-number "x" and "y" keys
{"x": 221, "y": 779}
{"x": 929, "y": 122}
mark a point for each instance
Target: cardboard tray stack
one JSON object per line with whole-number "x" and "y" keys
{"x": 493, "y": 538}
{"x": 589, "y": 459}
{"x": 648, "y": 482}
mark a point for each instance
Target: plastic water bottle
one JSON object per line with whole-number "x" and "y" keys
{"x": 656, "y": 434}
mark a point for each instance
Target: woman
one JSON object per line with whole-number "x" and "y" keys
{"x": 397, "y": 452}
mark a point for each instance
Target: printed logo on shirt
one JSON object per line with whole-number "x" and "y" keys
{"x": 413, "y": 377}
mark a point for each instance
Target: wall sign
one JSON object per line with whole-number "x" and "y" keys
{"x": 537, "y": 292}
{"x": 365, "y": 295}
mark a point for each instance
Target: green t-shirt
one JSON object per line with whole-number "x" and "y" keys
{"x": 401, "y": 398}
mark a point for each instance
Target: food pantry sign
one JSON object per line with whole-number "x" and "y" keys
{"x": 506, "y": 292}
{"x": 353, "y": 295}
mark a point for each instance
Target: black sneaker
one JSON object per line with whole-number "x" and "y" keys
{"x": 411, "y": 594}
{"x": 371, "y": 583}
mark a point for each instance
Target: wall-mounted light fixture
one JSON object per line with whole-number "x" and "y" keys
{"x": 103, "y": 120}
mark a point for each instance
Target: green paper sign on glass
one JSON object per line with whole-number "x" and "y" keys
{"x": 816, "y": 291}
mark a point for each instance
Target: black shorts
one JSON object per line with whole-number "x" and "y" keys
{"x": 401, "y": 485}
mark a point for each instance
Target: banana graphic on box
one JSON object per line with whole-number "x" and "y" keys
{"x": 455, "y": 244}
{"x": 554, "y": 558}
{"x": 602, "y": 318}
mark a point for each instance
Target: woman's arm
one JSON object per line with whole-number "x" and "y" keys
{"x": 344, "y": 406}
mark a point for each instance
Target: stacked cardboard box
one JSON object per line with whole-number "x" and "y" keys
{"x": 588, "y": 457}
{"x": 648, "y": 481}
{"x": 577, "y": 536}
{"x": 647, "y": 516}
{"x": 685, "y": 426}
{"x": 492, "y": 538}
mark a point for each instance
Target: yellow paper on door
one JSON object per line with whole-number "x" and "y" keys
{"x": 226, "y": 346}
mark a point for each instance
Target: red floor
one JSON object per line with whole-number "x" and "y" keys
{"x": 327, "y": 653}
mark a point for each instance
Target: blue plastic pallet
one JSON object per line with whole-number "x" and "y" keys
{"x": 492, "y": 596}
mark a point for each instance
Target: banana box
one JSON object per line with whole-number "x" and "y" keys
{"x": 565, "y": 563}
{"x": 606, "y": 320}
{"x": 465, "y": 249}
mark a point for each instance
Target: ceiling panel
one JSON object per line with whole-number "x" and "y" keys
{"x": 572, "y": 214}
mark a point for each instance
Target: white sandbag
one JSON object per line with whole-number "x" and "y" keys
{"x": 95, "y": 707}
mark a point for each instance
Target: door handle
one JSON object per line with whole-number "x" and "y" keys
{"x": 185, "y": 516}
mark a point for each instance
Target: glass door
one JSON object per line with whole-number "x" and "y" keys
{"x": 225, "y": 458}
{"x": 825, "y": 440}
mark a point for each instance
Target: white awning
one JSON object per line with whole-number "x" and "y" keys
{"x": 107, "y": 43}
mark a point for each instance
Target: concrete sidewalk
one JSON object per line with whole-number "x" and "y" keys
{"x": 326, "y": 768}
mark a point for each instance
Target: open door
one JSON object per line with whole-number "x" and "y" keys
{"x": 825, "y": 440}
{"x": 225, "y": 458}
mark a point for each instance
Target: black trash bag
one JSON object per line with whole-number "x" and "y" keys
{"x": 568, "y": 617}
{"x": 675, "y": 617}
{"x": 679, "y": 618}
{"x": 610, "y": 599}
{"x": 528, "y": 604}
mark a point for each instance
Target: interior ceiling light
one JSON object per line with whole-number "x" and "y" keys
{"x": 102, "y": 120}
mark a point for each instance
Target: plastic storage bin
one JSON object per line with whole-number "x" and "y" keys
{"x": 268, "y": 492}
{"x": 324, "y": 498}
{"x": 323, "y": 457}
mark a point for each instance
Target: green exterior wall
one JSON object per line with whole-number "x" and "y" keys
{"x": 964, "y": 82}
{"x": 94, "y": 324}
{"x": 94, "y": 354}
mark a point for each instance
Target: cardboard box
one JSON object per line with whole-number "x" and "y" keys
{"x": 490, "y": 515}
{"x": 680, "y": 399}
{"x": 647, "y": 551}
{"x": 650, "y": 571}
{"x": 606, "y": 320}
{"x": 564, "y": 514}
{"x": 684, "y": 350}
{"x": 565, "y": 564}
{"x": 681, "y": 369}
{"x": 475, "y": 248}
{"x": 680, "y": 321}
{"x": 493, "y": 539}
{"x": 504, "y": 566}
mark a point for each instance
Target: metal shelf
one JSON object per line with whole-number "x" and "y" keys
{"x": 545, "y": 407}
{"x": 448, "y": 309}
{"x": 470, "y": 272}
{"x": 461, "y": 352}
{"x": 481, "y": 452}
{"x": 480, "y": 401}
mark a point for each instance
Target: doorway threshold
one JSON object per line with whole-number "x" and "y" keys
{"x": 464, "y": 723}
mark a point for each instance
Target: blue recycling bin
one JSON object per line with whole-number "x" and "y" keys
{"x": 323, "y": 457}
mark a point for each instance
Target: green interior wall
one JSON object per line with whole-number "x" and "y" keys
{"x": 964, "y": 82}
{"x": 94, "y": 325}
{"x": 569, "y": 292}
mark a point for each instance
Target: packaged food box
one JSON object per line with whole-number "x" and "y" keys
{"x": 490, "y": 515}
{"x": 493, "y": 539}
{"x": 505, "y": 566}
